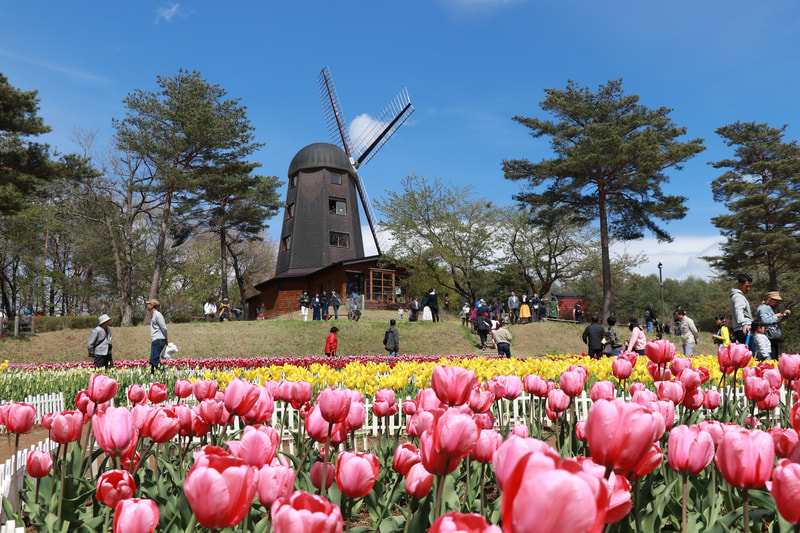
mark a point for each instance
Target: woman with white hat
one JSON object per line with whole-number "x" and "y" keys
{"x": 99, "y": 343}
{"x": 772, "y": 321}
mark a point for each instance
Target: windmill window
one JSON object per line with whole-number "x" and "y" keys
{"x": 336, "y": 179}
{"x": 293, "y": 182}
{"x": 337, "y": 206}
{"x": 289, "y": 211}
{"x": 340, "y": 240}
{"x": 286, "y": 243}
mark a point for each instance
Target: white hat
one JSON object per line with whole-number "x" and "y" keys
{"x": 102, "y": 319}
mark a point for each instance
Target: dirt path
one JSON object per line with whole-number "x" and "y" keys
{"x": 33, "y": 437}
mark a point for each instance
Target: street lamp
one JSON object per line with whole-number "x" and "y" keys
{"x": 661, "y": 283}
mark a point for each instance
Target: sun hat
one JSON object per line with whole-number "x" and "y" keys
{"x": 153, "y": 302}
{"x": 775, "y": 295}
{"x": 102, "y": 319}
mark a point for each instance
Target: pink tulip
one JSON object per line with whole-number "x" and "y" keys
{"x": 580, "y": 430}
{"x": 651, "y": 460}
{"x": 204, "y": 389}
{"x": 462, "y": 523}
{"x": 418, "y": 481}
{"x": 601, "y": 390}
{"x": 679, "y": 364}
{"x": 453, "y": 384}
{"x": 356, "y": 473}
{"x": 785, "y": 488}
{"x": 409, "y": 407}
{"x": 39, "y": 464}
{"x": 183, "y": 388}
{"x": 558, "y": 401}
{"x": 770, "y": 401}
{"x": 667, "y": 411}
{"x": 755, "y": 388}
{"x": 659, "y": 372}
{"x": 433, "y": 461}
{"x": 694, "y": 399}
{"x": 690, "y": 379}
{"x": 334, "y": 405}
{"x": 157, "y": 393}
{"x": 240, "y": 397}
{"x": 789, "y": 366}
{"x": 520, "y": 430}
{"x": 262, "y": 410}
{"x": 484, "y": 420}
{"x": 620, "y": 434}
{"x": 671, "y": 390}
{"x": 274, "y": 482}
{"x": 784, "y": 441}
{"x": 427, "y": 400}
{"x": 536, "y": 385}
{"x": 644, "y": 397}
{"x": 115, "y": 431}
{"x": 220, "y": 492}
{"x": 257, "y": 447}
{"x": 621, "y": 368}
{"x": 136, "y": 515}
{"x": 773, "y": 377}
{"x": 419, "y": 423}
{"x": 745, "y": 457}
{"x": 113, "y": 486}
{"x": 357, "y": 415}
{"x": 636, "y": 386}
{"x": 507, "y": 387}
{"x": 734, "y": 356}
{"x": 161, "y": 425}
{"x": 660, "y": 352}
{"x": 488, "y": 443}
{"x": 316, "y": 474}
{"x": 384, "y": 403}
{"x": 213, "y": 412}
{"x": 571, "y": 382}
{"x": 102, "y": 388}
{"x": 690, "y": 449}
{"x": 455, "y": 434}
{"x": 510, "y": 454}
{"x": 83, "y": 403}
{"x": 302, "y": 512}
{"x": 480, "y": 401}
{"x": 66, "y": 426}
{"x": 136, "y": 394}
{"x": 711, "y": 399}
{"x": 20, "y": 418}
{"x": 405, "y": 456}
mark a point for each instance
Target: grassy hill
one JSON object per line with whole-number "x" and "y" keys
{"x": 287, "y": 336}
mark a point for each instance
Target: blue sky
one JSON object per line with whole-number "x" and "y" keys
{"x": 469, "y": 66}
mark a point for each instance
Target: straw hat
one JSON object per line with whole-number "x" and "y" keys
{"x": 775, "y": 295}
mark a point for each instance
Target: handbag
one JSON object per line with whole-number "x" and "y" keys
{"x": 608, "y": 349}
{"x": 775, "y": 335}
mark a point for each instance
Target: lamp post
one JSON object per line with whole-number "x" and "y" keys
{"x": 661, "y": 284}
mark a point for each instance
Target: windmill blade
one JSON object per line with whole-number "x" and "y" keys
{"x": 332, "y": 112}
{"x": 382, "y": 127}
{"x": 362, "y": 193}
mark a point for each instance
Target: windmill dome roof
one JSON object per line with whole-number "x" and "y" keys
{"x": 319, "y": 155}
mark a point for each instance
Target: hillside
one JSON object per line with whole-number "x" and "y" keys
{"x": 287, "y": 336}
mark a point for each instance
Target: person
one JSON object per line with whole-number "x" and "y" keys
{"x": 473, "y": 317}
{"x": 772, "y": 321}
{"x": 577, "y": 313}
{"x": 331, "y": 343}
{"x": 677, "y": 326}
{"x": 497, "y": 309}
{"x": 316, "y": 307}
{"x": 355, "y": 308}
{"x": 483, "y": 325}
{"x": 427, "y": 315}
{"x": 158, "y": 335}
{"x": 543, "y": 309}
{"x": 613, "y": 338}
{"x": 524, "y": 309}
{"x": 447, "y": 304}
{"x": 495, "y": 322}
{"x": 759, "y": 345}
{"x": 649, "y": 317}
{"x": 723, "y": 335}
{"x": 210, "y": 310}
{"x": 335, "y": 302}
{"x": 513, "y": 307}
{"x": 400, "y": 312}
{"x": 741, "y": 317}
{"x": 326, "y": 305}
{"x": 689, "y": 334}
{"x": 224, "y": 311}
{"x": 415, "y": 307}
{"x": 593, "y": 337}
{"x": 433, "y": 303}
{"x": 502, "y": 338}
{"x": 465, "y": 314}
{"x": 305, "y": 303}
{"x": 99, "y": 343}
{"x": 535, "y": 303}
{"x": 638, "y": 338}
{"x": 391, "y": 338}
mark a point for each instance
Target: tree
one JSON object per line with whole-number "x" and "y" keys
{"x": 440, "y": 230}
{"x": 190, "y": 134}
{"x": 762, "y": 192}
{"x": 611, "y": 153}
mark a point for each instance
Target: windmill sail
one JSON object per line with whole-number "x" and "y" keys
{"x": 369, "y": 141}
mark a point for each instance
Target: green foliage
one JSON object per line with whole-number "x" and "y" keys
{"x": 53, "y": 323}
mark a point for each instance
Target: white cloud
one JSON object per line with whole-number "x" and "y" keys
{"x": 167, "y": 13}
{"x": 363, "y": 130}
{"x": 679, "y": 258}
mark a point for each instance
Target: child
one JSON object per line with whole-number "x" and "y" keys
{"x": 723, "y": 335}
{"x": 400, "y": 314}
{"x": 332, "y": 342}
{"x": 761, "y": 343}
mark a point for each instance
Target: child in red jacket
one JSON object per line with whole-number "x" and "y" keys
{"x": 332, "y": 342}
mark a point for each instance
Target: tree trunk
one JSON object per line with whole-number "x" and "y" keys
{"x": 162, "y": 240}
{"x": 223, "y": 261}
{"x": 239, "y": 282}
{"x": 606, "y": 257}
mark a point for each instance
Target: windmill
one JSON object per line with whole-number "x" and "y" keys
{"x": 369, "y": 141}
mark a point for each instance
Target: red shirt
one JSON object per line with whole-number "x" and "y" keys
{"x": 331, "y": 343}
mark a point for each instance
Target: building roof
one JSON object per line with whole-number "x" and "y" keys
{"x": 320, "y": 155}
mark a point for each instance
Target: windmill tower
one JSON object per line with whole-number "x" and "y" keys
{"x": 322, "y": 224}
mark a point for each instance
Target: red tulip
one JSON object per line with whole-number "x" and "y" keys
{"x": 113, "y": 486}
{"x": 66, "y": 426}
{"x": 621, "y": 368}
{"x": 204, "y": 389}
{"x": 102, "y": 388}
{"x": 690, "y": 449}
{"x": 20, "y": 417}
{"x": 115, "y": 431}
{"x": 220, "y": 492}
{"x": 488, "y": 443}
{"x": 418, "y": 481}
{"x": 694, "y": 399}
{"x": 274, "y": 482}
{"x": 455, "y": 434}
{"x": 157, "y": 393}
{"x": 405, "y": 456}
{"x": 356, "y": 473}
{"x": 334, "y": 404}
{"x": 136, "y": 394}
{"x": 462, "y": 523}
{"x": 183, "y": 388}
{"x": 453, "y": 384}
{"x": 301, "y": 512}
{"x": 785, "y": 488}
{"x": 536, "y": 385}
{"x": 316, "y": 474}
{"x": 240, "y": 397}
{"x": 39, "y": 463}
{"x": 620, "y": 434}
{"x": 601, "y": 390}
{"x": 571, "y": 382}
{"x": 83, "y": 403}
{"x": 136, "y": 516}
{"x": 660, "y": 352}
{"x": 745, "y": 457}
{"x": 257, "y": 447}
